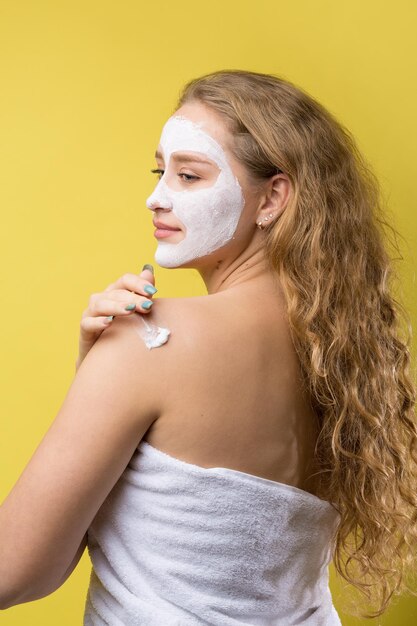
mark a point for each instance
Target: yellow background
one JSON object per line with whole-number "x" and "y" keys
{"x": 85, "y": 89}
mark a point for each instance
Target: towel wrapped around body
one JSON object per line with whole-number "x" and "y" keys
{"x": 176, "y": 544}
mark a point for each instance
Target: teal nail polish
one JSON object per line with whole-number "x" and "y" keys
{"x": 147, "y": 304}
{"x": 148, "y": 266}
{"x": 130, "y": 307}
{"x": 150, "y": 289}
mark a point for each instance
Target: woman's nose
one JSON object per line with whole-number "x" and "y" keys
{"x": 159, "y": 199}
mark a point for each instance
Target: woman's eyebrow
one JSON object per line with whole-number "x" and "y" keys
{"x": 185, "y": 158}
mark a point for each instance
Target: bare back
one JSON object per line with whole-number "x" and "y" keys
{"x": 233, "y": 398}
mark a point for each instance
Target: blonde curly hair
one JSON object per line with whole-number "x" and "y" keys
{"x": 330, "y": 250}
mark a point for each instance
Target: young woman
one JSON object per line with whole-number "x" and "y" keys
{"x": 215, "y": 453}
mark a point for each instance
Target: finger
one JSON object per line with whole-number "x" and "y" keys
{"x": 119, "y": 295}
{"x": 148, "y": 273}
{"x": 107, "y": 307}
{"x": 94, "y": 325}
{"x": 135, "y": 283}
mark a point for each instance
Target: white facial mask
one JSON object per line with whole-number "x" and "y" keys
{"x": 211, "y": 214}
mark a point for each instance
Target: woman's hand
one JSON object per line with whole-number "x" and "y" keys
{"x": 113, "y": 301}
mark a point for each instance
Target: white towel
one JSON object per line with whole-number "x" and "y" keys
{"x": 176, "y": 544}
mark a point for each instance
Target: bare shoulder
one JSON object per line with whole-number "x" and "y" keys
{"x": 202, "y": 323}
{"x": 180, "y": 327}
{"x": 197, "y": 324}
{"x": 185, "y": 318}
{"x": 188, "y": 322}
{"x": 181, "y": 317}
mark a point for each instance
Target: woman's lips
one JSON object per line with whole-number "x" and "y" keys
{"x": 161, "y": 233}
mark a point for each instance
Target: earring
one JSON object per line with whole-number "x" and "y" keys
{"x": 259, "y": 224}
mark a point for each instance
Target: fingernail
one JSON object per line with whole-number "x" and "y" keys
{"x": 130, "y": 307}
{"x": 150, "y": 289}
{"x": 148, "y": 266}
{"x": 147, "y": 304}
{"x": 110, "y": 318}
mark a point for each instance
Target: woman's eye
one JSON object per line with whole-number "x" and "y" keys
{"x": 188, "y": 177}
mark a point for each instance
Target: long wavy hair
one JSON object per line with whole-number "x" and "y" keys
{"x": 330, "y": 250}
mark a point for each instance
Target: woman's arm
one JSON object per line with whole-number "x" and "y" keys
{"x": 110, "y": 405}
{"x": 74, "y": 562}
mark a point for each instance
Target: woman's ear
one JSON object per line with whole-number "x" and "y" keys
{"x": 277, "y": 193}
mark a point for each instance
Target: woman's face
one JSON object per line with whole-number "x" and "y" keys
{"x": 202, "y": 189}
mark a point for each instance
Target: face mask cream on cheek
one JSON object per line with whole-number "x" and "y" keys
{"x": 210, "y": 215}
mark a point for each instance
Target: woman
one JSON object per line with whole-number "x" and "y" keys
{"x": 216, "y": 475}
